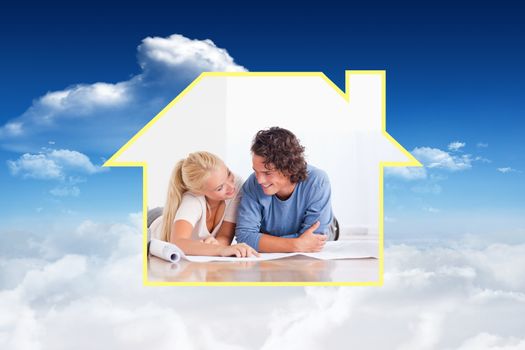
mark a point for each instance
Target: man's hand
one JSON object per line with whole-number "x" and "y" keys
{"x": 309, "y": 242}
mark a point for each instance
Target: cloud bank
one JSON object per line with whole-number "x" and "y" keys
{"x": 433, "y": 298}
{"x": 71, "y": 285}
{"x": 85, "y": 116}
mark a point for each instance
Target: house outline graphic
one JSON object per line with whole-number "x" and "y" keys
{"x": 116, "y": 160}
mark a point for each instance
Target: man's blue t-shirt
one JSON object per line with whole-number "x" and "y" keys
{"x": 259, "y": 213}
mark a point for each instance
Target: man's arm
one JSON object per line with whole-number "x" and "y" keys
{"x": 308, "y": 242}
{"x": 249, "y": 224}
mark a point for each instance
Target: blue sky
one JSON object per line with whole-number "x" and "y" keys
{"x": 454, "y": 74}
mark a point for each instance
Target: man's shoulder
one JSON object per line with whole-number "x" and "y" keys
{"x": 316, "y": 176}
{"x": 250, "y": 180}
{"x": 252, "y": 191}
{"x": 251, "y": 185}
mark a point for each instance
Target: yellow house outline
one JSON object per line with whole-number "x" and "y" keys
{"x": 111, "y": 162}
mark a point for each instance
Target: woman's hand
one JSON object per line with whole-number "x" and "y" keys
{"x": 240, "y": 250}
{"x": 209, "y": 240}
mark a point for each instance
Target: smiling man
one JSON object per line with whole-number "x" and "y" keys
{"x": 285, "y": 204}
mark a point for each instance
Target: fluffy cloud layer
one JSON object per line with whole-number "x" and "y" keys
{"x": 455, "y": 297}
{"x": 69, "y": 286}
{"x": 433, "y": 298}
{"x": 84, "y": 116}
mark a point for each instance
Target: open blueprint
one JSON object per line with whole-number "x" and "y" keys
{"x": 346, "y": 249}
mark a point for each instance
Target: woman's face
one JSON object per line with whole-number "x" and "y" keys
{"x": 220, "y": 184}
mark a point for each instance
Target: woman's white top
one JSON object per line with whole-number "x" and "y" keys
{"x": 192, "y": 209}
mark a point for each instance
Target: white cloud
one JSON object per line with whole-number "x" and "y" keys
{"x": 36, "y": 166}
{"x": 61, "y": 303}
{"x": 433, "y": 298}
{"x": 72, "y": 103}
{"x": 92, "y": 239}
{"x": 431, "y": 210}
{"x": 308, "y": 325}
{"x": 390, "y": 219}
{"x": 482, "y": 159}
{"x": 19, "y": 326}
{"x": 103, "y": 115}
{"x": 507, "y": 170}
{"x": 90, "y": 282}
{"x": 85, "y": 97}
{"x": 482, "y": 145}
{"x": 456, "y": 145}
{"x": 407, "y": 173}
{"x": 52, "y": 164}
{"x": 486, "y": 341}
{"x": 52, "y": 278}
{"x": 433, "y": 158}
{"x": 65, "y": 191}
{"x": 436, "y": 158}
{"x": 73, "y": 159}
{"x": 430, "y": 300}
{"x": 426, "y": 329}
{"x": 12, "y": 128}
{"x": 177, "y": 51}
{"x": 427, "y": 189}
{"x": 147, "y": 325}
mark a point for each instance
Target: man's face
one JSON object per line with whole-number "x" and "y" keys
{"x": 271, "y": 180}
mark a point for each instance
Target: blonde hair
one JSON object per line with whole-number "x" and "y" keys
{"x": 189, "y": 174}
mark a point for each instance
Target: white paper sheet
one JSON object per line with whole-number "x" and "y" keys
{"x": 348, "y": 249}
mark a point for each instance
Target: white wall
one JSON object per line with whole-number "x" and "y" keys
{"x": 195, "y": 123}
{"x": 222, "y": 114}
{"x": 328, "y": 126}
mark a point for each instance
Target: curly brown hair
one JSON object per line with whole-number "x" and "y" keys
{"x": 281, "y": 148}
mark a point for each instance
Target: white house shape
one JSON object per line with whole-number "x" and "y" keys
{"x": 343, "y": 132}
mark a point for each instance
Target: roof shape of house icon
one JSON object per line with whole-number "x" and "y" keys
{"x": 344, "y": 133}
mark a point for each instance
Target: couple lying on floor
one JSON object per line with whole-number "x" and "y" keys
{"x": 284, "y": 206}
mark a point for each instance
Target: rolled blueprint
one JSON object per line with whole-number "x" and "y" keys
{"x": 159, "y": 268}
{"x": 164, "y": 250}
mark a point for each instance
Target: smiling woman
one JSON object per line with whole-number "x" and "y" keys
{"x": 201, "y": 207}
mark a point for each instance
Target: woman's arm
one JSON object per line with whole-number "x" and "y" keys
{"x": 226, "y": 232}
{"x": 181, "y": 237}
